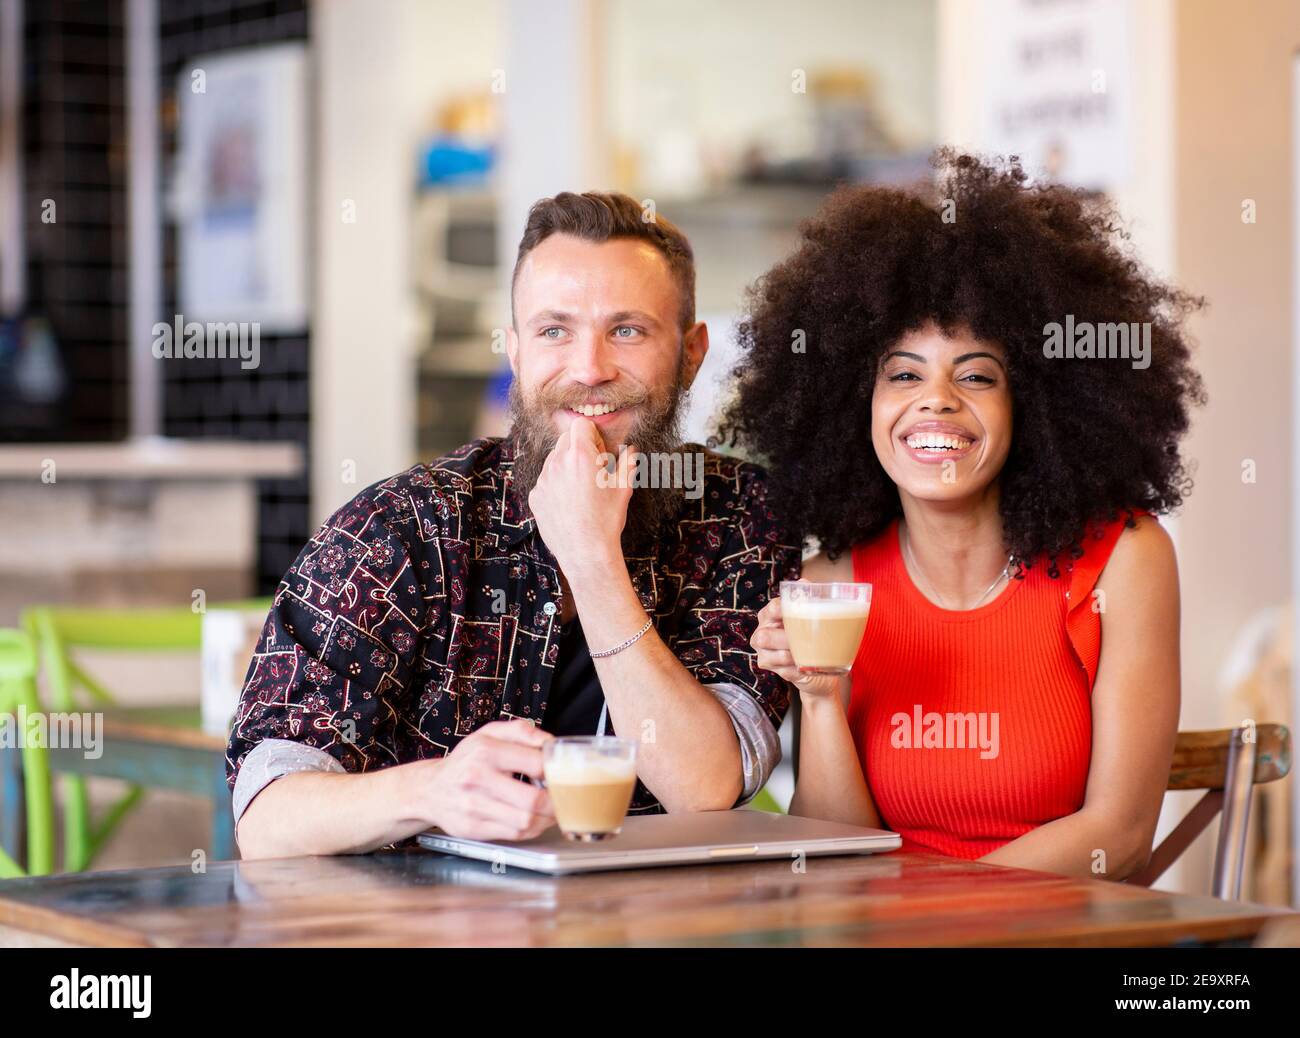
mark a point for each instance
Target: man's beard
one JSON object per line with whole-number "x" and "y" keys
{"x": 655, "y": 430}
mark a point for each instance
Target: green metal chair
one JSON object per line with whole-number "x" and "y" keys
{"x": 18, "y": 691}
{"x": 57, "y": 631}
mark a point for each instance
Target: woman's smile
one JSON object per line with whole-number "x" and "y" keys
{"x": 932, "y": 443}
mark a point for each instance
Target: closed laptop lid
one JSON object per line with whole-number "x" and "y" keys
{"x": 674, "y": 839}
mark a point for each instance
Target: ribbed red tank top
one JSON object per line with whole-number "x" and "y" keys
{"x": 975, "y": 726}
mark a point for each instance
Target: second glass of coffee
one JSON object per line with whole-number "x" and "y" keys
{"x": 825, "y": 623}
{"x": 590, "y": 779}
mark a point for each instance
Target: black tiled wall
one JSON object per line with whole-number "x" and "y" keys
{"x": 216, "y": 398}
{"x": 74, "y": 154}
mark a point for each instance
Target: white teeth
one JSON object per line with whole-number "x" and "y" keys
{"x": 594, "y": 410}
{"x": 937, "y": 441}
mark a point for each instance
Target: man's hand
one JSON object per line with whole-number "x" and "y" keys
{"x": 579, "y": 506}
{"x": 473, "y": 792}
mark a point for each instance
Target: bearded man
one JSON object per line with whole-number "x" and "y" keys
{"x": 448, "y": 621}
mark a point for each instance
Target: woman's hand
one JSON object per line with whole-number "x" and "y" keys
{"x": 830, "y": 783}
{"x": 772, "y": 643}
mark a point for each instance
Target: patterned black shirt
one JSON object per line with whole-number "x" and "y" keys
{"x": 428, "y": 606}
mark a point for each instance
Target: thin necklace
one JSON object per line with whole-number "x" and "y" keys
{"x": 907, "y": 552}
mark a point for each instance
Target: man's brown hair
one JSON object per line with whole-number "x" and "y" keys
{"x": 597, "y": 216}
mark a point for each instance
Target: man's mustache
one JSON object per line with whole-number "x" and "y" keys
{"x": 572, "y": 400}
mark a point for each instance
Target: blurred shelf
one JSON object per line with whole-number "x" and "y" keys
{"x": 156, "y": 458}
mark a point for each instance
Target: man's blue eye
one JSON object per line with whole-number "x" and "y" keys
{"x": 625, "y": 328}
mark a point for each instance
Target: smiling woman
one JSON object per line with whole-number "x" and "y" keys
{"x": 1002, "y": 513}
{"x": 942, "y": 400}
{"x": 982, "y": 252}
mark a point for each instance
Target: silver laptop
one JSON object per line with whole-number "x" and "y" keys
{"x": 675, "y": 839}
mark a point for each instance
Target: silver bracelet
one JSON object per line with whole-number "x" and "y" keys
{"x": 623, "y": 645}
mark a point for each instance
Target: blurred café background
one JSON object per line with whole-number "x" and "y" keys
{"x": 344, "y": 181}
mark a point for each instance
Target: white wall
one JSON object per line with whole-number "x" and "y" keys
{"x": 553, "y": 109}
{"x": 380, "y": 75}
{"x": 1233, "y": 140}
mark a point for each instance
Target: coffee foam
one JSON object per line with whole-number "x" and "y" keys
{"x": 591, "y": 771}
{"x": 823, "y": 608}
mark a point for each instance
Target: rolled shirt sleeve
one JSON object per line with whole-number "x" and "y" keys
{"x": 271, "y": 759}
{"x": 760, "y": 747}
{"x": 756, "y": 553}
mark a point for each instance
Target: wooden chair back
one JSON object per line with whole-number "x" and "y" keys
{"x": 1227, "y": 764}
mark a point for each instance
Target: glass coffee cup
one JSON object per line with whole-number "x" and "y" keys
{"x": 825, "y": 623}
{"x": 590, "y": 779}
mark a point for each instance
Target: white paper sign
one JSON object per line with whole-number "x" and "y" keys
{"x": 1059, "y": 88}
{"x": 241, "y": 188}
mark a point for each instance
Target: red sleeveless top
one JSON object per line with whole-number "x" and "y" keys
{"x": 975, "y": 726}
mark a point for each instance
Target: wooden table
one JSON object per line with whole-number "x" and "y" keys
{"x": 154, "y": 747}
{"x": 415, "y": 898}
